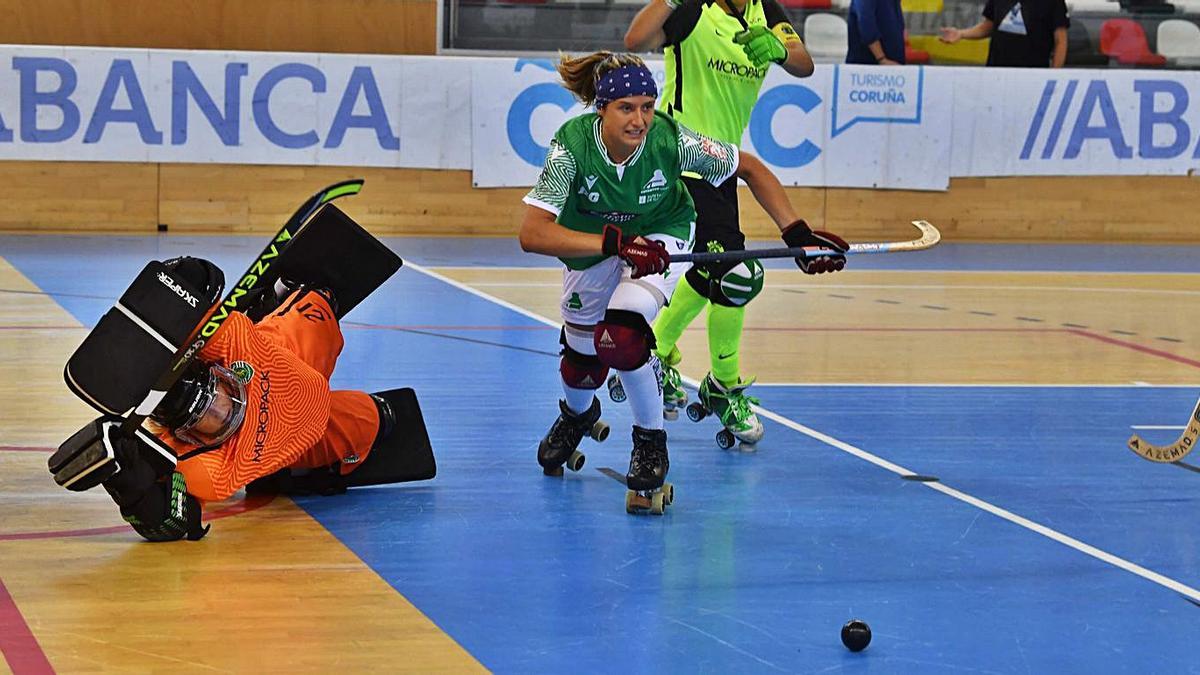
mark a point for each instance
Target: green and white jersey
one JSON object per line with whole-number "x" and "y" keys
{"x": 643, "y": 195}
{"x": 711, "y": 84}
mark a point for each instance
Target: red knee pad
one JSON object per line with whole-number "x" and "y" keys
{"x": 623, "y": 340}
{"x": 581, "y": 371}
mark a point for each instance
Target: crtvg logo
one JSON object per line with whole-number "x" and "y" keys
{"x": 1156, "y": 118}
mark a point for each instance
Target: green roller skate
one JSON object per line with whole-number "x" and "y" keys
{"x": 732, "y": 407}
{"x": 674, "y": 395}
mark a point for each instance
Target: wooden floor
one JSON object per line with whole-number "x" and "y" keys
{"x": 273, "y": 590}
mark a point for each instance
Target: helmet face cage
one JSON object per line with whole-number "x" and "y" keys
{"x": 216, "y": 410}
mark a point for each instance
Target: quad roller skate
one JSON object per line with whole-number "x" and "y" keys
{"x": 648, "y": 467}
{"x": 560, "y": 445}
{"x": 732, "y": 407}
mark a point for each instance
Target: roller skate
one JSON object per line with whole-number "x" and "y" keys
{"x": 648, "y": 467}
{"x": 674, "y": 395}
{"x": 559, "y": 445}
{"x": 732, "y": 407}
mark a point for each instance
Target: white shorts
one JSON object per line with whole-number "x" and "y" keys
{"x": 586, "y": 292}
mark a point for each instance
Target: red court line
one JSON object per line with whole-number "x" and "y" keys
{"x": 1138, "y": 348}
{"x": 379, "y": 326}
{"x": 17, "y": 643}
{"x": 250, "y": 503}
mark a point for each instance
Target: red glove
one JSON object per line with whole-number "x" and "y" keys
{"x": 800, "y": 234}
{"x": 645, "y": 259}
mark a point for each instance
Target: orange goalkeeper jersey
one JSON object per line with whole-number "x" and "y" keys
{"x": 288, "y": 400}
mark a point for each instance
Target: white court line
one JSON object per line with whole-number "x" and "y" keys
{"x": 1066, "y": 540}
{"x": 1163, "y": 427}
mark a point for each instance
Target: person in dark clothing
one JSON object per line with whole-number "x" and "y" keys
{"x": 876, "y": 32}
{"x": 1025, "y": 33}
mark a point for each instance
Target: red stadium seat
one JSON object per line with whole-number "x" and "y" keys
{"x": 914, "y": 56}
{"x": 1125, "y": 41}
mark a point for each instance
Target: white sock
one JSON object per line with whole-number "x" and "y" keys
{"x": 579, "y": 400}
{"x": 643, "y": 387}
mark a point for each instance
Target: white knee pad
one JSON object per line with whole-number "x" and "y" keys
{"x": 633, "y": 296}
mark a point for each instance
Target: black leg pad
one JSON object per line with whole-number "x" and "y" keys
{"x": 403, "y": 455}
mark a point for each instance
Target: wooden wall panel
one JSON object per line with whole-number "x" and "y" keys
{"x": 242, "y": 199}
{"x": 78, "y": 196}
{"x": 333, "y": 26}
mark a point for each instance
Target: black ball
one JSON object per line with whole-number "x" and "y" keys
{"x": 856, "y": 635}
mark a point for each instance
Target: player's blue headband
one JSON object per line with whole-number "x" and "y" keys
{"x": 631, "y": 80}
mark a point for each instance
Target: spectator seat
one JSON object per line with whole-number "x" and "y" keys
{"x": 1124, "y": 41}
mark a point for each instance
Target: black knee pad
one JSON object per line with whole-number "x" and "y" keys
{"x": 623, "y": 339}
{"x": 737, "y": 284}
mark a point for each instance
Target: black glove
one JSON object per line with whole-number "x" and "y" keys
{"x": 163, "y": 512}
{"x": 646, "y": 259}
{"x": 800, "y": 234}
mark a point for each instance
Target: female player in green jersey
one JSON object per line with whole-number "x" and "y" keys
{"x": 610, "y": 205}
{"x": 717, "y": 56}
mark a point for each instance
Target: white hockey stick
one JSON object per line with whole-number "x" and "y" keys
{"x": 928, "y": 239}
{"x": 1174, "y": 452}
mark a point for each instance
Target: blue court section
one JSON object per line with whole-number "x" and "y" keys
{"x": 763, "y": 555}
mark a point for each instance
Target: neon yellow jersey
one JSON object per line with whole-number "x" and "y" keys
{"x": 711, "y": 85}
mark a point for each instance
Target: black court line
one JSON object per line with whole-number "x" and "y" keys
{"x": 1027, "y": 319}
{"x": 457, "y": 337}
{"x": 56, "y": 294}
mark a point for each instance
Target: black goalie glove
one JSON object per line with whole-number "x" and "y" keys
{"x": 799, "y": 234}
{"x": 162, "y": 511}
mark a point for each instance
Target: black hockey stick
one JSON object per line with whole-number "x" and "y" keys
{"x": 250, "y": 282}
{"x": 928, "y": 239}
{"x": 1167, "y": 454}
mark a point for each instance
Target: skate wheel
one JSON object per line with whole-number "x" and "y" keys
{"x": 616, "y": 390}
{"x": 668, "y": 494}
{"x": 630, "y": 501}
{"x": 725, "y": 439}
{"x": 574, "y": 462}
{"x": 554, "y": 471}
{"x": 696, "y": 412}
{"x": 658, "y": 503}
{"x": 670, "y": 414}
{"x": 599, "y": 431}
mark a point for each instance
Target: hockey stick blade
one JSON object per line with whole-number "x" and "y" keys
{"x": 1166, "y": 454}
{"x": 247, "y": 283}
{"x": 929, "y": 238}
